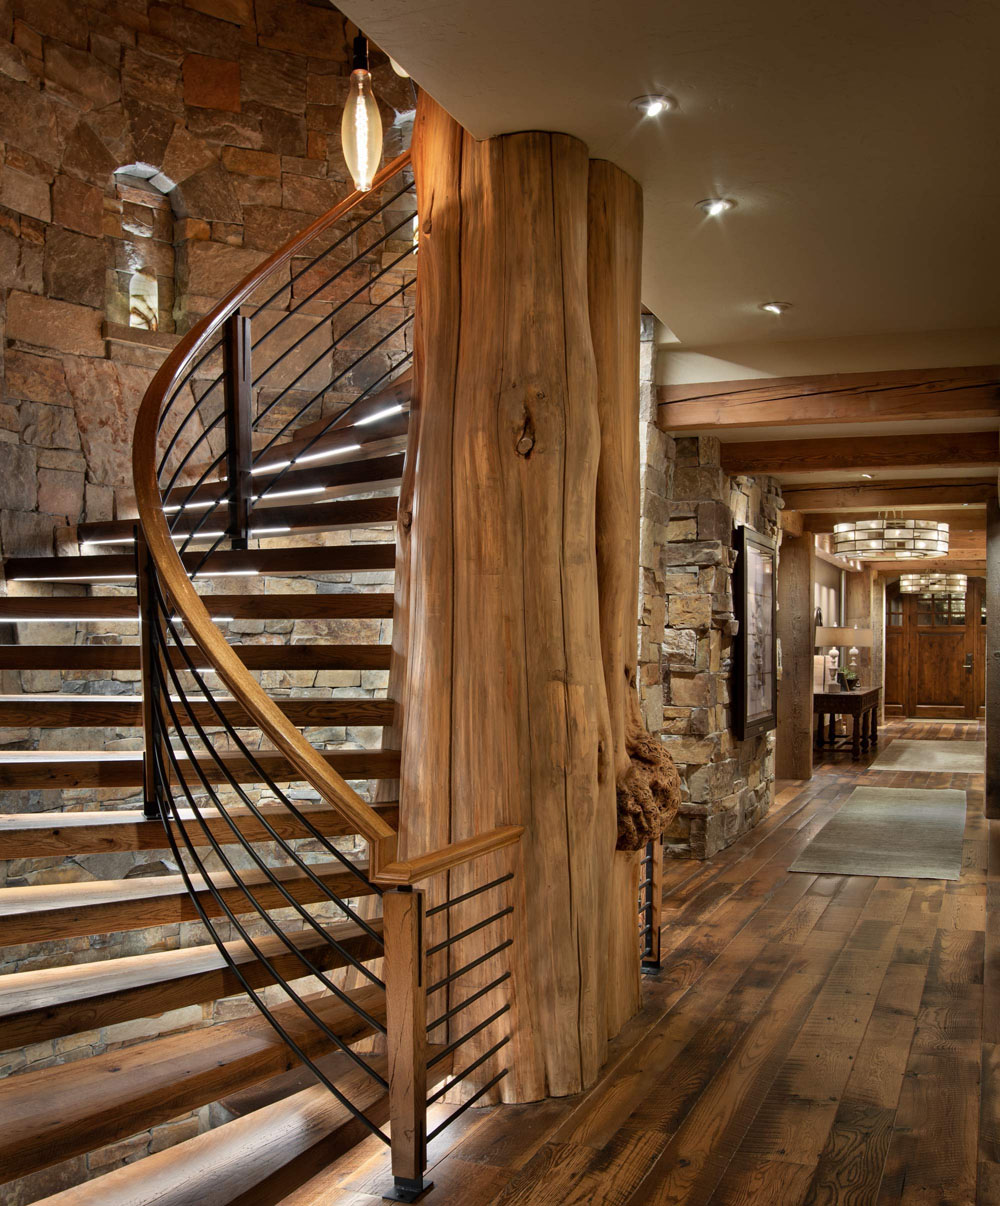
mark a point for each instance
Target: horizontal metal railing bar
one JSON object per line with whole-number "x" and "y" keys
{"x": 466, "y": 1104}
{"x": 472, "y": 929}
{"x": 460, "y": 1076}
{"x": 448, "y": 904}
{"x": 460, "y": 1042}
{"x": 457, "y": 1009}
{"x": 469, "y": 966}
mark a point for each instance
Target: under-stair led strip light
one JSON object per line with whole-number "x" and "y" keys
{"x": 320, "y": 456}
{"x": 380, "y": 414}
{"x": 290, "y": 493}
{"x": 191, "y": 506}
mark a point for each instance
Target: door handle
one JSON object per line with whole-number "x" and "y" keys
{"x": 968, "y": 661}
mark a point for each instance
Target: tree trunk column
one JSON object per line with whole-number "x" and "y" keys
{"x": 507, "y": 714}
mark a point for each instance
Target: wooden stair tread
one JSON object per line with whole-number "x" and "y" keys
{"x": 126, "y": 657}
{"x": 110, "y": 711}
{"x": 121, "y": 566}
{"x": 328, "y": 516}
{"x": 49, "y": 834}
{"x": 43, "y": 912}
{"x": 66, "y": 1110}
{"x": 43, "y": 769}
{"x": 56, "y": 1001}
{"x": 339, "y": 606}
{"x": 227, "y": 1163}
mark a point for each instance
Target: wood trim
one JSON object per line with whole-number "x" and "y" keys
{"x": 254, "y": 657}
{"x": 950, "y": 393}
{"x": 425, "y": 866}
{"x": 406, "y": 1024}
{"x": 969, "y": 518}
{"x": 309, "y": 763}
{"x": 963, "y": 448}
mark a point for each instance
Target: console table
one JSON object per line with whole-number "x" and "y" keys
{"x": 862, "y": 705}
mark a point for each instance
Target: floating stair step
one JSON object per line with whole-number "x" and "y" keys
{"x": 52, "y": 834}
{"x": 381, "y": 471}
{"x": 320, "y": 516}
{"x": 67, "y": 1110}
{"x": 48, "y": 912}
{"x": 58, "y": 1001}
{"x": 260, "y": 1157}
{"x": 347, "y": 606}
{"x": 123, "y": 711}
{"x": 24, "y": 770}
{"x": 120, "y": 567}
{"x": 254, "y": 657}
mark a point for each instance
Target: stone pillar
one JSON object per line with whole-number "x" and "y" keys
{"x": 793, "y": 755}
{"x": 993, "y": 659}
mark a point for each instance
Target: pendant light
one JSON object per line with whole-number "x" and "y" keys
{"x": 933, "y": 584}
{"x": 890, "y": 539}
{"x": 361, "y": 125}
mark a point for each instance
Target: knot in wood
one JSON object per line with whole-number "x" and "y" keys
{"x": 405, "y": 520}
{"x": 526, "y": 437}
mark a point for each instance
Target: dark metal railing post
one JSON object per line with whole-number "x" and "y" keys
{"x": 651, "y": 879}
{"x": 146, "y": 598}
{"x": 238, "y": 399}
{"x": 406, "y": 1038}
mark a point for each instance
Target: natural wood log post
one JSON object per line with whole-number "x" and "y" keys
{"x": 647, "y": 786}
{"x": 507, "y": 715}
{"x": 796, "y": 631}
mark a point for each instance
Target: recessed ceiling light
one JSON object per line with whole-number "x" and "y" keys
{"x": 714, "y": 206}
{"x": 868, "y": 476}
{"x": 653, "y": 106}
{"x": 775, "y": 307}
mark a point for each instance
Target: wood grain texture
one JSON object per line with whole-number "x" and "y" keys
{"x": 254, "y": 657}
{"x": 793, "y": 750}
{"x": 993, "y": 660}
{"x": 964, "y": 448}
{"x": 834, "y": 496}
{"x": 502, "y": 568}
{"x": 968, "y": 393}
{"x": 103, "y": 711}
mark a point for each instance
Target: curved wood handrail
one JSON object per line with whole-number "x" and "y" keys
{"x": 174, "y": 579}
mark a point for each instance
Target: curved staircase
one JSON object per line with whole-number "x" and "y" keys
{"x": 250, "y": 788}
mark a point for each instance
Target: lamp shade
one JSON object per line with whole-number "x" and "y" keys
{"x": 860, "y": 638}
{"x": 889, "y": 539}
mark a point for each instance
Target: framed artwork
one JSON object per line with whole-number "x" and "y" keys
{"x": 755, "y": 654}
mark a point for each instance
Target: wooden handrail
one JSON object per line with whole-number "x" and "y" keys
{"x": 425, "y": 866}
{"x": 170, "y": 569}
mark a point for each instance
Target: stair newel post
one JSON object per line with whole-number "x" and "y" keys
{"x": 406, "y": 1025}
{"x": 148, "y": 667}
{"x": 238, "y": 399}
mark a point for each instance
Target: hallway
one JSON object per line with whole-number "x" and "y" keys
{"x": 809, "y": 1039}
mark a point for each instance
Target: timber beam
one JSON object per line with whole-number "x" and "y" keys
{"x": 960, "y": 563}
{"x": 889, "y": 495}
{"x": 955, "y": 449}
{"x": 952, "y": 393}
{"x": 965, "y": 519}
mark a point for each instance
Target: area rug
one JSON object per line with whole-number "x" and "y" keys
{"x": 899, "y": 831}
{"x": 935, "y": 757}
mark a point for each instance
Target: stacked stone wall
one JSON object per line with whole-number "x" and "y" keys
{"x": 690, "y": 507}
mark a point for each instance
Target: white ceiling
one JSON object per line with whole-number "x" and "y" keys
{"x": 859, "y": 140}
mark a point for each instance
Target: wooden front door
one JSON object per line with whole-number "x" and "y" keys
{"x": 935, "y": 653}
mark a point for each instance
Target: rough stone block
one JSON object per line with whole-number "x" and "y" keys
{"x": 18, "y": 482}
{"x": 690, "y": 611}
{"x": 61, "y": 493}
{"x": 47, "y": 426}
{"x": 680, "y": 646}
{"x": 211, "y": 83}
{"x": 25, "y": 194}
{"x": 693, "y": 552}
{"x": 49, "y": 323}
{"x": 682, "y": 530}
{"x": 77, "y": 205}
{"x": 704, "y": 482}
{"x": 690, "y": 690}
{"x": 239, "y": 12}
{"x": 251, "y": 163}
{"x": 74, "y": 267}
{"x": 79, "y": 72}
{"x": 273, "y": 79}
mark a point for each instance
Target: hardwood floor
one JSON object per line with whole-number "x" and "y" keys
{"x": 810, "y": 1039}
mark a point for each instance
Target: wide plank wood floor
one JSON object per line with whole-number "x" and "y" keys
{"x": 810, "y": 1039}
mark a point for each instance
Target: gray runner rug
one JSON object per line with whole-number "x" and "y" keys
{"x": 900, "y": 831}
{"x": 940, "y": 757}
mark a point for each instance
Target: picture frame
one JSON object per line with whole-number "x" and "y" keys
{"x": 754, "y": 693}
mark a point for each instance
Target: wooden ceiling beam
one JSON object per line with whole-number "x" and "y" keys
{"x": 952, "y": 393}
{"x": 965, "y": 519}
{"x": 952, "y": 450}
{"x": 889, "y": 495}
{"x": 948, "y": 565}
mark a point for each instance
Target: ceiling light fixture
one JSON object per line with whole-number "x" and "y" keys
{"x": 933, "y": 584}
{"x": 361, "y": 125}
{"x": 891, "y": 539}
{"x": 775, "y": 307}
{"x": 713, "y": 207}
{"x": 653, "y": 105}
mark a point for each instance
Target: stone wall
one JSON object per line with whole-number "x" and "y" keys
{"x": 690, "y": 507}
{"x": 184, "y": 142}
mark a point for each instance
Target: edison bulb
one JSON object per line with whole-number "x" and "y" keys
{"x": 361, "y": 130}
